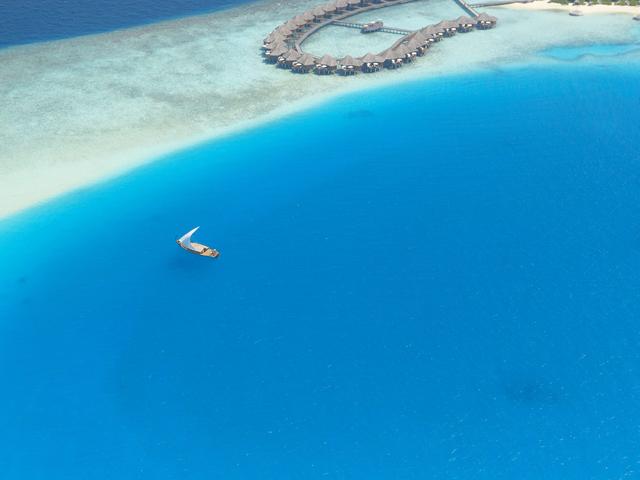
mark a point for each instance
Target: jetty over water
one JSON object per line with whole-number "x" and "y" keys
{"x": 283, "y": 46}
{"x": 362, "y": 26}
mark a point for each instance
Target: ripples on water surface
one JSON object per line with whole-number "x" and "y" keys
{"x": 26, "y": 21}
{"x": 437, "y": 280}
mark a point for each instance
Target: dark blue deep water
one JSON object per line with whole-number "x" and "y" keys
{"x": 433, "y": 281}
{"x": 27, "y": 21}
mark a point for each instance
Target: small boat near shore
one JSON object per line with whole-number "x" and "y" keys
{"x": 196, "y": 248}
{"x": 576, "y": 13}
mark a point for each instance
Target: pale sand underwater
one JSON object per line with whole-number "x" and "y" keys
{"x": 80, "y": 110}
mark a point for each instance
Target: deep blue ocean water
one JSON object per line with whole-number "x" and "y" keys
{"x": 27, "y": 21}
{"x": 434, "y": 280}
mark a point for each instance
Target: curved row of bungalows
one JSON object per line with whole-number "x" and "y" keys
{"x": 287, "y": 32}
{"x": 485, "y": 22}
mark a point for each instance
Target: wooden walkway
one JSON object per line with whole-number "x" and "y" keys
{"x": 346, "y": 14}
{"x": 283, "y": 46}
{"x": 467, "y": 8}
{"x": 360, "y": 26}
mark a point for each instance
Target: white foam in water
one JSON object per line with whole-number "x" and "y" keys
{"x": 79, "y": 110}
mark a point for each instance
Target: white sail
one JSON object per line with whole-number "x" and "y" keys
{"x": 185, "y": 240}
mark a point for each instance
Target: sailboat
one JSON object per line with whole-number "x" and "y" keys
{"x": 197, "y": 248}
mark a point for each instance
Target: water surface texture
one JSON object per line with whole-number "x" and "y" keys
{"x": 435, "y": 280}
{"x": 27, "y": 21}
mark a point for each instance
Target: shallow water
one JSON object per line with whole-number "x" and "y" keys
{"x": 435, "y": 280}
{"x": 575, "y": 53}
{"x": 79, "y": 110}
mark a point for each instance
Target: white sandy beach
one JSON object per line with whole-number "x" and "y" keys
{"x": 80, "y": 110}
{"x": 541, "y": 5}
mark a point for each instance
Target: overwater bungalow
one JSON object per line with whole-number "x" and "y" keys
{"x": 286, "y": 60}
{"x": 326, "y": 65}
{"x": 269, "y": 43}
{"x": 371, "y": 63}
{"x": 319, "y": 14}
{"x": 465, "y": 24}
{"x": 272, "y": 36}
{"x": 353, "y": 4}
{"x": 341, "y": 5}
{"x": 286, "y": 29}
{"x": 349, "y": 65}
{"x": 448, "y": 27}
{"x": 393, "y": 59}
{"x": 416, "y": 47}
{"x": 300, "y": 22}
{"x": 419, "y": 41}
{"x": 485, "y": 22}
{"x": 331, "y": 9}
{"x": 304, "y": 64}
{"x": 276, "y": 52}
{"x": 435, "y": 33}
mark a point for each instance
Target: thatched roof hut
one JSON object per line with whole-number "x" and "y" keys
{"x": 464, "y": 20}
{"x": 436, "y": 33}
{"x": 298, "y": 21}
{"x": 273, "y": 40}
{"x": 418, "y": 38}
{"x": 292, "y": 55}
{"x": 319, "y": 12}
{"x": 353, "y": 3}
{"x": 273, "y": 53}
{"x": 393, "y": 58}
{"x": 341, "y": 4}
{"x": 453, "y": 24}
{"x": 328, "y": 61}
{"x": 331, "y": 7}
{"x": 308, "y": 16}
{"x": 349, "y": 61}
{"x": 413, "y": 45}
{"x": 277, "y": 50}
{"x": 486, "y": 21}
{"x": 284, "y": 30}
{"x": 368, "y": 58}
{"x": 307, "y": 60}
{"x": 402, "y": 50}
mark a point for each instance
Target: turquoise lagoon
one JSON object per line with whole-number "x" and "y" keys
{"x": 432, "y": 280}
